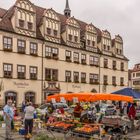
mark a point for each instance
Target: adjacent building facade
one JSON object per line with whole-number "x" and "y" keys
{"x": 43, "y": 52}
{"x": 135, "y": 77}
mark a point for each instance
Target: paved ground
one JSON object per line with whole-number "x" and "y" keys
{"x": 134, "y": 136}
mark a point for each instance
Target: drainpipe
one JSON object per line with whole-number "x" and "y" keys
{"x": 100, "y": 73}
{"x": 42, "y": 80}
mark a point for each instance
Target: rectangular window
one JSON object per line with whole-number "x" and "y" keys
{"x": 108, "y": 48}
{"x": 70, "y": 37}
{"x": 88, "y": 42}
{"x": 76, "y": 77}
{"x": 7, "y": 70}
{"x": 33, "y": 48}
{"x": 48, "y": 74}
{"x": 114, "y": 65}
{"x": 114, "y": 81}
{"x": 122, "y": 66}
{"x": 93, "y": 43}
{"x": 30, "y": 25}
{"x": 105, "y": 63}
{"x": 55, "y": 32}
{"x": 83, "y": 77}
{"x": 49, "y": 31}
{"x": 76, "y": 38}
{"x": 138, "y": 74}
{"x": 51, "y": 52}
{"x": 105, "y": 80}
{"x": 21, "y": 23}
{"x": 7, "y": 43}
{"x": 33, "y": 73}
{"x": 51, "y": 74}
{"x": 21, "y": 69}
{"x": 83, "y": 58}
{"x": 21, "y": 46}
{"x": 104, "y": 47}
{"x": 68, "y": 76}
{"x": 76, "y": 57}
{"x": 48, "y": 52}
{"x": 121, "y": 81}
{"x": 68, "y": 56}
{"x": 54, "y": 75}
{"x": 55, "y": 53}
{"x": 93, "y": 78}
{"x": 94, "y": 61}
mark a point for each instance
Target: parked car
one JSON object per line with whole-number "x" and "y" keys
{"x": 44, "y": 108}
{"x": 108, "y": 109}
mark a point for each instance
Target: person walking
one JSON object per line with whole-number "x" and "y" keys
{"x": 8, "y": 118}
{"x": 29, "y": 116}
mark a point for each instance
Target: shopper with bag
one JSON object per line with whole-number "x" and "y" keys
{"x": 29, "y": 116}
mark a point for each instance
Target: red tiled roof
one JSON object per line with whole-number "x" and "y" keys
{"x": 2, "y": 12}
{"x": 5, "y": 23}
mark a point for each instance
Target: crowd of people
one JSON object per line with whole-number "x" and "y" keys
{"x": 28, "y": 110}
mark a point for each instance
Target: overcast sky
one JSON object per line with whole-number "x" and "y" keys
{"x": 117, "y": 16}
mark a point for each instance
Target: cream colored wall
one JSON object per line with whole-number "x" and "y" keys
{"x": 35, "y": 86}
{"x": 118, "y": 73}
{"x": 21, "y": 59}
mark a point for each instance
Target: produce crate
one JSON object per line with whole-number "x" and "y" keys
{"x": 84, "y": 134}
{"x": 112, "y": 121}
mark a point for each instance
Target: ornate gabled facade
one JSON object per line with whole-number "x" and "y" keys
{"x": 24, "y": 18}
{"x": 40, "y": 48}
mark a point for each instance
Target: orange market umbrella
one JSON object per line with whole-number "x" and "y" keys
{"x": 90, "y": 97}
{"x": 70, "y": 96}
{"x": 105, "y": 96}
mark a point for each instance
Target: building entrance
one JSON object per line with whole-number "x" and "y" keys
{"x": 11, "y": 96}
{"x": 30, "y": 97}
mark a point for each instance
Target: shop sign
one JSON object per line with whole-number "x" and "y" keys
{"x": 21, "y": 84}
{"x": 76, "y": 86}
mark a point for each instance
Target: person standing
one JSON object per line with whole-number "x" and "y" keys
{"x": 29, "y": 116}
{"x": 8, "y": 118}
{"x": 132, "y": 114}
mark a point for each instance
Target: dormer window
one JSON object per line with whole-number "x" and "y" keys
{"x": 70, "y": 37}
{"x": 30, "y": 25}
{"x": 55, "y": 32}
{"x": 93, "y": 43}
{"x": 88, "y": 42}
{"x": 76, "y": 38}
{"x": 21, "y": 23}
{"x": 108, "y": 48}
{"x": 48, "y": 31}
{"x": 104, "y": 47}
